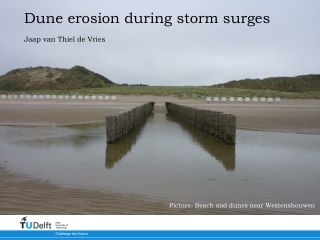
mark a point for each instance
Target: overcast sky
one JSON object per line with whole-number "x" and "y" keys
{"x": 154, "y": 54}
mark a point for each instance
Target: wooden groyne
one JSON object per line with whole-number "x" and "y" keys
{"x": 219, "y": 124}
{"x": 121, "y": 123}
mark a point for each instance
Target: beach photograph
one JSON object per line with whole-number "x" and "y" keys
{"x": 160, "y": 108}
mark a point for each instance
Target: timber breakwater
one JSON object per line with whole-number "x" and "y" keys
{"x": 219, "y": 124}
{"x": 123, "y": 122}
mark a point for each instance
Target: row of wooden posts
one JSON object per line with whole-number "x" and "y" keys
{"x": 121, "y": 123}
{"x": 217, "y": 123}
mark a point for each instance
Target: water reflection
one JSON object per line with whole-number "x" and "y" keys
{"x": 169, "y": 160}
{"x": 116, "y": 151}
{"x": 76, "y": 135}
{"x": 225, "y": 154}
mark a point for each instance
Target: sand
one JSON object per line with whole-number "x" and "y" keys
{"x": 23, "y": 195}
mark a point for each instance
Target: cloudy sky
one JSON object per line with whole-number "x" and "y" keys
{"x": 155, "y": 54}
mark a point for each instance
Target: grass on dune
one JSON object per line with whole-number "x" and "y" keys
{"x": 183, "y": 92}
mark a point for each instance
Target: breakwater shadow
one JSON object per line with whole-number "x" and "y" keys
{"x": 222, "y": 152}
{"x": 117, "y": 150}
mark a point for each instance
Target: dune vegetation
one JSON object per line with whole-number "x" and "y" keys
{"x": 81, "y": 81}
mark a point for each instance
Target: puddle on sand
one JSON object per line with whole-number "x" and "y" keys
{"x": 172, "y": 161}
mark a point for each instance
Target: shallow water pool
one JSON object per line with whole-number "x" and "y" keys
{"x": 171, "y": 161}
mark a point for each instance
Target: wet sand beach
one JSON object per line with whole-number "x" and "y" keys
{"x": 21, "y": 194}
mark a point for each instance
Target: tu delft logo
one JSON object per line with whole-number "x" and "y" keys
{"x": 34, "y": 225}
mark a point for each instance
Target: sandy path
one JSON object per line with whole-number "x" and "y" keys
{"x": 23, "y": 195}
